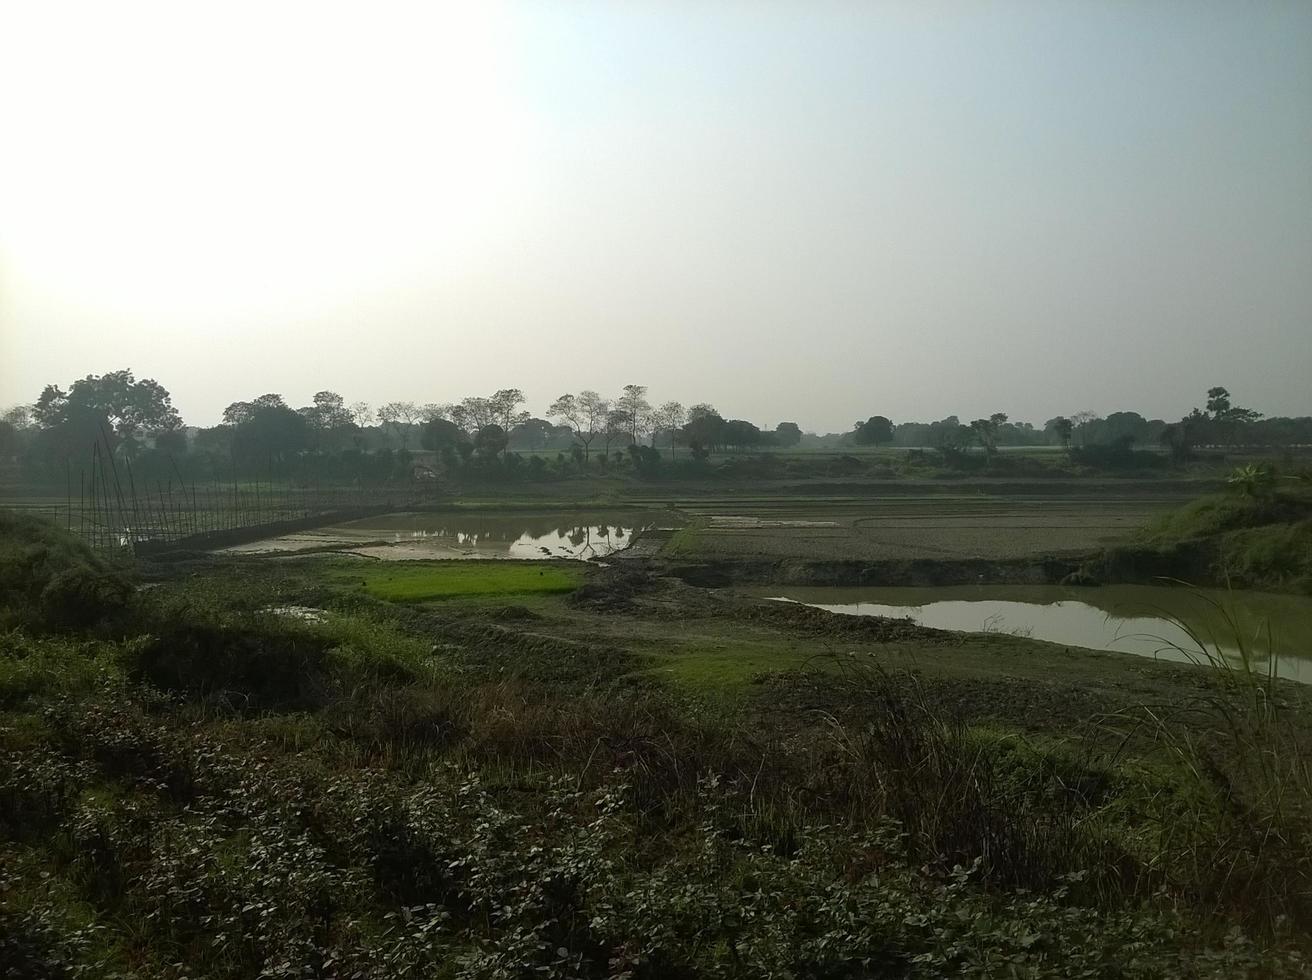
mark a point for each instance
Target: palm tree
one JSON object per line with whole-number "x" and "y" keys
{"x": 1252, "y": 480}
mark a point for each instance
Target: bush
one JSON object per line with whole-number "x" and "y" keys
{"x": 1117, "y": 456}
{"x": 51, "y": 579}
{"x": 248, "y": 666}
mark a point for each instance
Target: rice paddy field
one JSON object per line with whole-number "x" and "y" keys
{"x": 947, "y": 526}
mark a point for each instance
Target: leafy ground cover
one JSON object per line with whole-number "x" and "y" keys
{"x": 501, "y": 784}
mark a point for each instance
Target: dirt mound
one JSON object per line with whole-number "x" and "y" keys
{"x": 614, "y": 589}
{"x": 808, "y": 619}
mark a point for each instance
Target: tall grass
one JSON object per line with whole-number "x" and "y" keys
{"x": 1018, "y": 812}
{"x": 1236, "y": 838}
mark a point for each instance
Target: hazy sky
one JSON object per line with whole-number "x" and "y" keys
{"x": 793, "y": 210}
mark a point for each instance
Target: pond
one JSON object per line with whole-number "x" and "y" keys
{"x": 584, "y": 535}
{"x": 1151, "y": 621}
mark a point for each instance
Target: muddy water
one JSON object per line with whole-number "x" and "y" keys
{"x": 1168, "y": 623}
{"x": 467, "y": 535}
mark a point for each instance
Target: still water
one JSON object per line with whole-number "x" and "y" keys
{"x": 1151, "y": 621}
{"x": 467, "y": 535}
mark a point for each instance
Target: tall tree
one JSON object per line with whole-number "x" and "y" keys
{"x": 874, "y": 431}
{"x": 15, "y": 424}
{"x": 115, "y": 406}
{"x": 440, "y": 433}
{"x": 266, "y": 429}
{"x": 585, "y": 413}
{"x": 670, "y": 417}
{"x": 473, "y": 413}
{"x": 239, "y": 412}
{"x": 790, "y": 434}
{"x": 504, "y": 408}
{"x": 616, "y": 429}
{"x": 1178, "y": 439}
{"x": 490, "y": 440}
{"x": 1082, "y": 421}
{"x": 532, "y": 433}
{"x": 741, "y": 434}
{"x": 1218, "y": 402}
{"x": 986, "y": 431}
{"x": 1227, "y": 421}
{"x": 704, "y": 429}
{"x": 1123, "y": 429}
{"x": 949, "y": 436}
{"x": 1061, "y": 427}
{"x": 400, "y": 416}
{"x": 633, "y": 402}
{"x": 329, "y": 419}
{"x": 362, "y": 414}
{"x": 20, "y": 416}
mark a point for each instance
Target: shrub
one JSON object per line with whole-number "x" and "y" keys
{"x": 51, "y": 579}
{"x": 253, "y": 666}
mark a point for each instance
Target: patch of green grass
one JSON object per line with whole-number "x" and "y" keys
{"x": 370, "y": 645}
{"x": 722, "y": 667}
{"x": 686, "y": 542}
{"x": 33, "y": 666}
{"x": 1219, "y": 513}
{"x": 420, "y": 582}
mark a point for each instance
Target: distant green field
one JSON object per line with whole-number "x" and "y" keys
{"x": 420, "y": 581}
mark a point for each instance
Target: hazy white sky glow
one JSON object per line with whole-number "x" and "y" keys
{"x": 794, "y": 210}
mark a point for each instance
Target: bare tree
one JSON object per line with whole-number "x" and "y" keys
{"x": 1081, "y": 422}
{"x": 669, "y": 416}
{"x": 633, "y": 403}
{"x": 434, "y": 410}
{"x": 474, "y": 413}
{"x": 617, "y": 427}
{"x": 505, "y": 408}
{"x": 400, "y": 416}
{"x": 362, "y": 414}
{"x": 584, "y": 413}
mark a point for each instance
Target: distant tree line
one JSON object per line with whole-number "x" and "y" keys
{"x": 134, "y": 420}
{"x": 1220, "y": 424}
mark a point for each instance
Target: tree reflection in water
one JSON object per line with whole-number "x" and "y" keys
{"x": 515, "y": 536}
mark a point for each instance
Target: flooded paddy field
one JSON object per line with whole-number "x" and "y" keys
{"x": 469, "y": 535}
{"x": 1161, "y": 622}
{"x": 730, "y": 526}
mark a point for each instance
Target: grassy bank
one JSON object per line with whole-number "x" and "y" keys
{"x": 1249, "y": 537}
{"x": 447, "y": 770}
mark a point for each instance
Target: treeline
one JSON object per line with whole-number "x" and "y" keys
{"x": 125, "y": 418}
{"x": 1220, "y": 424}
{"x": 121, "y": 417}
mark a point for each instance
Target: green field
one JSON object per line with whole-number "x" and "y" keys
{"x": 420, "y": 581}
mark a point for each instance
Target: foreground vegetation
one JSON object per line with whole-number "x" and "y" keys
{"x": 449, "y": 771}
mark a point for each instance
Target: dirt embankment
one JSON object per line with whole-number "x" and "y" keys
{"x": 913, "y": 572}
{"x": 211, "y": 540}
{"x": 1199, "y": 563}
{"x": 1196, "y": 562}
